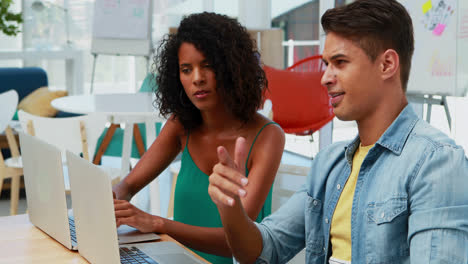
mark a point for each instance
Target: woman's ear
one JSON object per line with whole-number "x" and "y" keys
{"x": 389, "y": 64}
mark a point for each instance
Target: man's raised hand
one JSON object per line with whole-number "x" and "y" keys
{"x": 228, "y": 179}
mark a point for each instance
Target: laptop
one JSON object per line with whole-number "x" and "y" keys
{"x": 45, "y": 193}
{"x": 45, "y": 190}
{"x": 93, "y": 208}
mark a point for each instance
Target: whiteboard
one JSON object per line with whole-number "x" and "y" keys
{"x": 122, "y": 27}
{"x": 440, "y": 60}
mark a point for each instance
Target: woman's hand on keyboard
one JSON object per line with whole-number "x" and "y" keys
{"x": 127, "y": 214}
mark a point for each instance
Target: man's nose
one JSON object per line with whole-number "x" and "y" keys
{"x": 328, "y": 78}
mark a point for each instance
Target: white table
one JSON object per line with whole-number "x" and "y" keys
{"x": 73, "y": 64}
{"x": 126, "y": 108}
{"x": 118, "y": 104}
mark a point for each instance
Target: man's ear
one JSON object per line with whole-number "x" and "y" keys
{"x": 389, "y": 64}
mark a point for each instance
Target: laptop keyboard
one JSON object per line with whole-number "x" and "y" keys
{"x": 71, "y": 222}
{"x": 127, "y": 255}
{"x": 133, "y": 255}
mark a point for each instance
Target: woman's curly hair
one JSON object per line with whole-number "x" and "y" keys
{"x": 232, "y": 54}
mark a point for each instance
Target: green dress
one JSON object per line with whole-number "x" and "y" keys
{"x": 193, "y": 204}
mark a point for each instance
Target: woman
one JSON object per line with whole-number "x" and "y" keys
{"x": 210, "y": 84}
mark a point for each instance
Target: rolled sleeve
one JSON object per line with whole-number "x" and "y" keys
{"x": 438, "y": 222}
{"x": 267, "y": 246}
{"x": 283, "y": 232}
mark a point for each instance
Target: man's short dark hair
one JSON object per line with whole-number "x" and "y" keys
{"x": 375, "y": 26}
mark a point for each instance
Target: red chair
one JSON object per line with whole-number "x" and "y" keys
{"x": 301, "y": 105}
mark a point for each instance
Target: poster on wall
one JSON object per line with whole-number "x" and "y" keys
{"x": 439, "y": 64}
{"x": 122, "y": 27}
{"x": 127, "y": 19}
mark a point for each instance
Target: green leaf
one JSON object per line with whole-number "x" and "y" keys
{"x": 14, "y": 19}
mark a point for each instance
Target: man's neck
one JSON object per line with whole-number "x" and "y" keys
{"x": 372, "y": 127}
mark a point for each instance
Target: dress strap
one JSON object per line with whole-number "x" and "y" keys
{"x": 255, "y": 139}
{"x": 186, "y": 141}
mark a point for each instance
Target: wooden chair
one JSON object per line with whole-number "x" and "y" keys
{"x": 76, "y": 134}
{"x": 12, "y": 167}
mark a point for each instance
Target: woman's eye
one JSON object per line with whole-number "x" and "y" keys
{"x": 185, "y": 71}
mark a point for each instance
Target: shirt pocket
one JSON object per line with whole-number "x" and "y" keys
{"x": 385, "y": 212}
{"x": 387, "y": 230}
{"x": 313, "y": 225}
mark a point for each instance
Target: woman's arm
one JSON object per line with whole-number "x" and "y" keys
{"x": 161, "y": 153}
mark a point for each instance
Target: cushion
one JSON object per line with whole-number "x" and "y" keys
{"x": 23, "y": 80}
{"x": 38, "y": 102}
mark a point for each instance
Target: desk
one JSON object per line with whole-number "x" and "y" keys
{"x": 73, "y": 64}
{"x": 127, "y": 108}
{"x": 21, "y": 242}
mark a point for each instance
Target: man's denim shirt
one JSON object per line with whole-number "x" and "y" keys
{"x": 410, "y": 204}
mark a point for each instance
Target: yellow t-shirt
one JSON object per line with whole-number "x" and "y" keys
{"x": 340, "y": 230}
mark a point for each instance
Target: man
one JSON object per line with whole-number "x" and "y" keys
{"x": 397, "y": 193}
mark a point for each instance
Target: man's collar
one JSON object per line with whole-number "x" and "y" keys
{"x": 396, "y": 135}
{"x": 394, "y": 138}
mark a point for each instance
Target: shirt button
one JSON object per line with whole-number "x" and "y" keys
{"x": 315, "y": 202}
{"x": 326, "y": 220}
{"x": 382, "y": 215}
{"x": 338, "y": 186}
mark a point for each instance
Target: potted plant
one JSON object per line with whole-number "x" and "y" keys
{"x": 9, "y": 21}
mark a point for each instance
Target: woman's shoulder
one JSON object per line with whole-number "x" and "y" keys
{"x": 261, "y": 121}
{"x": 267, "y": 143}
{"x": 266, "y": 129}
{"x": 174, "y": 127}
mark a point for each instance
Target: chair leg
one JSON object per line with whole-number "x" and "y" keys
{"x": 138, "y": 140}
{"x": 105, "y": 143}
{"x": 170, "y": 207}
{"x": 15, "y": 184}
{"x": 2, "y": 173}
{"x": 1, "y": 183}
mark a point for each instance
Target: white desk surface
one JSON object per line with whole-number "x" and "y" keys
{"x": 108, "y": 103}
